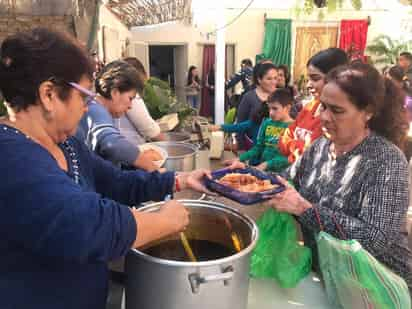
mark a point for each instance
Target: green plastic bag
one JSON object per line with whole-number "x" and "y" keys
{"x": 277, "y": 254}
{"x": 355, "y": 279}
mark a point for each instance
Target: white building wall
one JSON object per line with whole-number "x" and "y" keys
{"x": 247, "y": 32}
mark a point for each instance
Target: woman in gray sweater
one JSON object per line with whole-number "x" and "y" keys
{"x": 356, "y": 172}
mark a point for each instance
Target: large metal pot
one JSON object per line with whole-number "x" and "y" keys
{"x": 177, "y": 137}
{"x": 181, "y": 156}
{"x": 222, "y": 283}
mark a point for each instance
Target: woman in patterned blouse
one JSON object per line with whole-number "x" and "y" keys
{"x": 357, "y": 171}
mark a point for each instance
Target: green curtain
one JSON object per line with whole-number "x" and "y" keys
{"x": 277, "y": 45}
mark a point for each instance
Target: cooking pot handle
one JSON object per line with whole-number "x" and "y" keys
{"x": 196, "y": 279}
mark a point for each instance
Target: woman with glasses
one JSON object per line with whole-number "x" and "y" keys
{"x": 116, "y": 85}
{"x": 63, "y": 213}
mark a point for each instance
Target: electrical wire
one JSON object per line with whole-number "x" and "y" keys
{"x": 234, "y": 19}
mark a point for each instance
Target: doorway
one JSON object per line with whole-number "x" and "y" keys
{"x": 162, "y": 63}
{"x": 169, "y": 63}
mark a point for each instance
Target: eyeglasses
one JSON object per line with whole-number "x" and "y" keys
{"x": 89, "y": 95}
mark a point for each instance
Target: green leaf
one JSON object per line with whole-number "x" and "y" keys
{"x": 3, "y": 110}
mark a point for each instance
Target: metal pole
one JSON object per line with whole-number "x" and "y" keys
{"x": 220, "y": 61}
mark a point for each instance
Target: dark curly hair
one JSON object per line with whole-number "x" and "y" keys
{"x": 286, "y": 72}
{"x": 368, "y": 90}
{"x": 33, "y": 57}
{"x": 118, "y": 75}
{"x": 260, "y": 70}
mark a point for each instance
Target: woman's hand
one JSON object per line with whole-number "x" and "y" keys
{"x": 145, "y": 162}
{"x": 176, "y": 215}
{"x": 289, "y": 201}
{"x": 234, "y": 164}
{"x": 172, "y": 218}
{"x": 194, "y": 180}
{"x": 214, "y": 127}
{"x": 262, "y": 166}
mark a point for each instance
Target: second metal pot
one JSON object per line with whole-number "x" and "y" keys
{"x": 181, "y": 156}
{"x": 181, "y": 137}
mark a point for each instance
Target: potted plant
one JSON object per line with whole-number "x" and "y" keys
{"x": 386, "y": 50}
{"x": 161, "y": 100}
{"x": 331, "y": 5}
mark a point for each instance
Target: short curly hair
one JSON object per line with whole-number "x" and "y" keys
{"x": 32, "y": 57}
{"x": 118, "y": 75}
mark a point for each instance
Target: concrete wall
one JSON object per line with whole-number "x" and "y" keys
{"x": 74, "y": 17}
{"x": 247, "y": 32}
{"x": 112, "y": 34}
{"x": 15, "y": 23}
{"x": 38, "y": 7}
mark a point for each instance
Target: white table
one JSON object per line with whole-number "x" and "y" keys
{"x": 266, "y": 294}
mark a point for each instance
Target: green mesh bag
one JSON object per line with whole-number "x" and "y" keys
{"x": 277, "y": 254}
{"x": 355, "y": 279}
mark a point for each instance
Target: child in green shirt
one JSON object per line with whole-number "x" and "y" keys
{"x": 266, "y": 151}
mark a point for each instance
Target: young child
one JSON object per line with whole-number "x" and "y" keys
{"x": 266, "y": 151}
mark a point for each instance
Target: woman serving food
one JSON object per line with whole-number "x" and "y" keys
{"x": 64, "y": 213}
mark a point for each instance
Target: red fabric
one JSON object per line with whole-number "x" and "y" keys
{"x": 301, "y": 133}
{"x": 353, "y": 35}
{"x": 208, "y": 60}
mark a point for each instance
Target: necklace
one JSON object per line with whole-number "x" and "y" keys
{"x": 67, "y": 147}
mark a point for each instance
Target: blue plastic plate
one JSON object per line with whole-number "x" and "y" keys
{"x": 243, "y": 197}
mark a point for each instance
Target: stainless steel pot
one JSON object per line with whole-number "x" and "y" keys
{"x": 181, "y": 156}
{"x": 158, "y": 283}
{"x": 177, "y": 137}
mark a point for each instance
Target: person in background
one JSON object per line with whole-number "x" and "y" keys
{"x": 116, "y": 85}
{"x": 193, "y": 88}
{"x": 397, "y": 76}
{"x": 265, "y": 153}
{"x": 249, "y": 126}
{"x": 251, "y": 102}
{"x": 64, "y": 212}
{"x": 256, "y": 70}
{"x": 245, "y": 75}
{"x": 307, "y": 128}
{"x": 356, "y": 176}
{"x": 284, "y": 78}
{"x": 137, "y": 125}
{"x": 405, "y": 62}
{"x": 210, "y": 85}
{"x": 284, "y": 82}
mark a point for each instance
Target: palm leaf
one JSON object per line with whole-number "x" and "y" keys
{"x": 386, "y": 50}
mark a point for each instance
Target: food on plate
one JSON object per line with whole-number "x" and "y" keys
{"x": 153, "y": 154}
{"x": 246, "y": 183}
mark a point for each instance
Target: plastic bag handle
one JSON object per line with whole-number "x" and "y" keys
{"x": 338, "y": 226}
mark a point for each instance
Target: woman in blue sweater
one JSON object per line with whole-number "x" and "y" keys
{"x": 63, "y": 209}
{"x": 116, "y": 85}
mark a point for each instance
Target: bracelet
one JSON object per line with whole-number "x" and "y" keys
{"x": 177, "y": 184}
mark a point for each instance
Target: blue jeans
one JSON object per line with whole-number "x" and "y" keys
{"x": 193, "y": 101}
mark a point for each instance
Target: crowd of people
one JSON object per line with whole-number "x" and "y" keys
{"x": 74, "y": 169}
{"x": 343, "y": 152}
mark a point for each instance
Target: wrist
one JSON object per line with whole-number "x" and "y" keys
{"x": 180, "y": 182}
{"x": 303, "y": 206}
